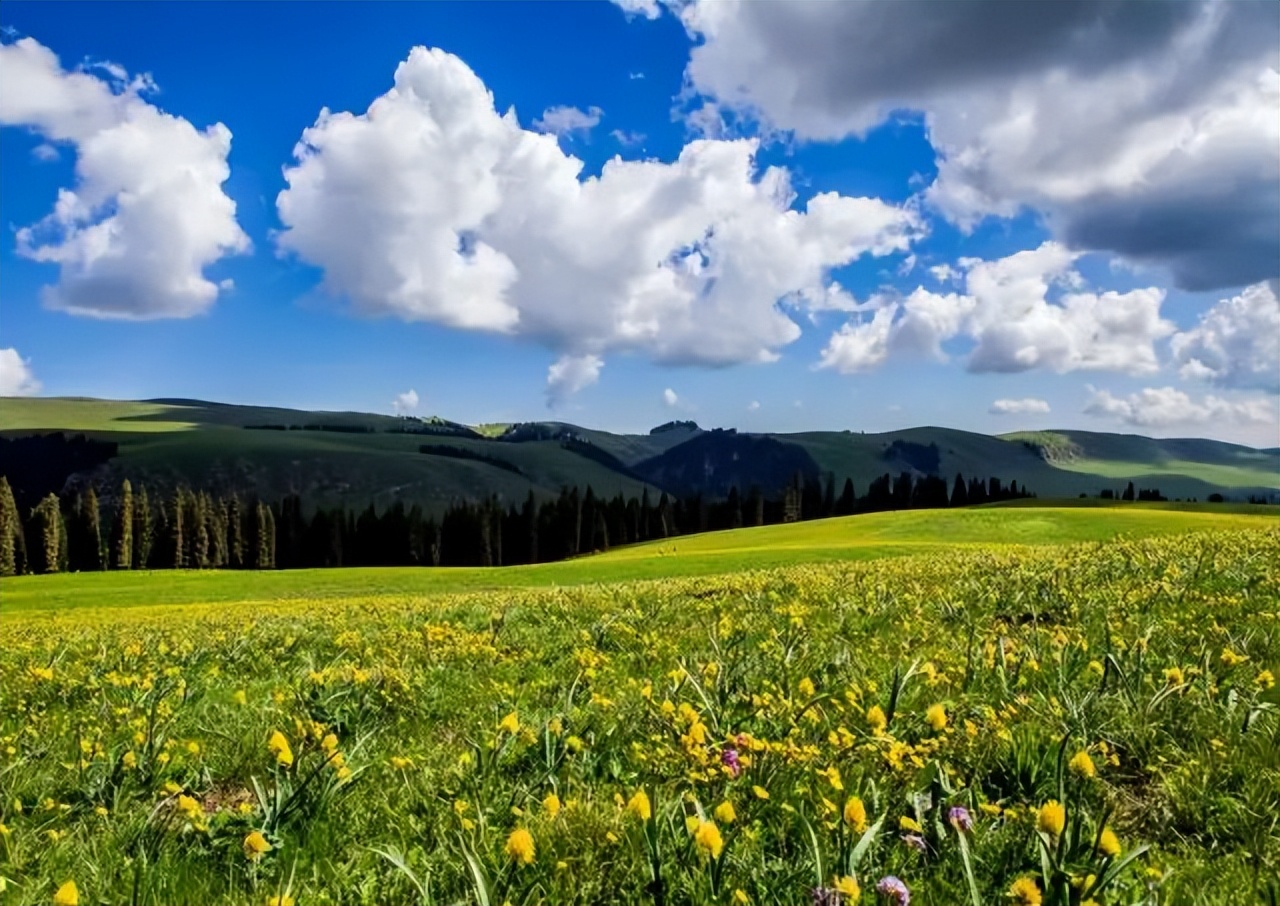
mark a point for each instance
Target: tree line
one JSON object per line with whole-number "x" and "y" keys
{"x": 191, "y": 529}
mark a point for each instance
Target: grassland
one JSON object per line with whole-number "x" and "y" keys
{"x": 1080, "y": 716}
{"x": 854, "y": 538}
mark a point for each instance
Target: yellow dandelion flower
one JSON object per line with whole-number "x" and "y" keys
{"x": 255, "y": 845}
{"x": 329, "y": 743}
{"x": 190, "y": 807}
{"x": 708, "y": 839}
{"x": 876, "y": 719}
{"x": 724, "y": 812}
{"x": 848, "y": 888}
{"x": 1052, "y": 818}
{"x": 67, "y": 895}
{"x": 520, "y": 846}
{"x": 908, "y": 823}
{"x": 639, "y": 806}
{"x": 1108, "y": 842}
{"x": 760, "y": 792}
{"x": 1025, "y": 892}
{"x": 552, "y": 804}
{"x": 1264, "y": 680}
{"x": 129, "y": 760}
{"x": 239, "y": 697}
{"x": 1082, "y": 764}
{"x": 855, "y": 814}
{"x": 1173, "y": 676}
{"x": 399, "y": 762}
{"x": 936, "y": 717}
{"x": 279, "y": 747}
{"x": 280, "y": 899}
{"x": 740, "y": 897}
{"x": 510, "y": 723}
{"x": 806, "y": 688}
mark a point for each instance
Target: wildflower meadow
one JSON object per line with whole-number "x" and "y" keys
{"x": 1065, "y": 725}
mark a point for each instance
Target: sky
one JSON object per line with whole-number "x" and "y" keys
{"x": 769, "y": 216}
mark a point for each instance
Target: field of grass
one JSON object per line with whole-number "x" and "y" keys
{"x": 1077, "y": 717}
{"x": 865, "y": 537}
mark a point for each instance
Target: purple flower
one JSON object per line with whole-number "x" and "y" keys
{"x": 893, "y": 890}
{"x": 729, "y": 758}
{"x": 825, "y": 896}
{"x": 916, "y": 842}
{"x": 960, "y": 818}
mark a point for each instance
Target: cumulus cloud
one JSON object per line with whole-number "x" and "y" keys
{"x": 564, "y": 121}
{"x": 406, "y": 402}
{"x": 753, "y": 405}
{"x": 1236, "y": 343}
{"x": 431, "y": 206}
{"x": 1026, "y": 311}
{"x": 45, "y": 152}
{"x": 1026, "y": 406}
{"x": 147, "y": 214}
{"x": 569, "y": 374}
{"x": 16, "y": 377}
{"x": 649, "y": 9}
{"x": 1162, "y": 407}
{"x": 1147, "y": 129}
{"x": 670, "y": 399}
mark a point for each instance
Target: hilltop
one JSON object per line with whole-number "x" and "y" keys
{"x": 353, "y": 458}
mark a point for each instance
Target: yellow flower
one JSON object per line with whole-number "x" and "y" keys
{"x": 552, "y": 804}
{"x": 1108, "y": 842}
{"x": 282, "y": 899}
{"x": 1230, "y": 658}
{"x": 239, "y": 697}
{"x": 1173, "y": 676}
{"x": 724, "y": 812}
{"x": 399, "y": 762}
{"x": 190, "y": 807}
{"x": 574, "y": 743}
{"x": 760, "y": 792}
{"x": 101, "y": 811}
{"x": 806, "y": 688}
{"x": 708, "y": 839}
{"x": 329, "y": 743}
{"x": 1025, "y": 892}
{"x": 510, "y": 723}
{"x": 639, "y": 806}
{"x": 1082, "y": 764}
{"x": 848, "y": 888}
{"x": 129, "y": 760}
{"x": 937, "y": 717}
{"x": 1052, "y": 818}
{"x": 740, "y": 897}
{"x": 279, "y": 747}
{"x": 1264, "y": 680}
{"x": 907, "y": 823}
{"x": 876, "y": 719}
{"x": 67, "y": 895}
{"x": 520, "y": 846}
{"x": 855, "y": 814}
{"x": 255, "y": 845}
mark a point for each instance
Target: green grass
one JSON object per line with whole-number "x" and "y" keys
{"x": 849, "y": 538}
{"x": 1145, "y": 473}
{"x": 490, "y": 741}
{"x": 22, "y": 414}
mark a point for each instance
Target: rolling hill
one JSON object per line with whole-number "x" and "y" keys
{"x": 353, "y": 459}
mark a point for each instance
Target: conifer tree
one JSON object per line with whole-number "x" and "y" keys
{"x": 199, "y": 530}
{"x": 235, "y": 534}
{"x": 12, "y": 544}
{"x": 266, "y": 538}
{"x": 48, "y": 533}
{"x": 142, "y": 531}
{"x": 177, "y": 536}
{"x": 122, "y": 529}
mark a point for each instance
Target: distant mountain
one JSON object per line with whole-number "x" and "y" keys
{"x": 354, "y": 458}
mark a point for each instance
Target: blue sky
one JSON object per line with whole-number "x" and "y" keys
{"x": 1102, "y": 275}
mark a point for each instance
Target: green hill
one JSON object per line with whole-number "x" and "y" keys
{"x": 353, "y": 458}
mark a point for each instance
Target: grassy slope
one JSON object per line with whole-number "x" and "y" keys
{"x": 848, "y": 538}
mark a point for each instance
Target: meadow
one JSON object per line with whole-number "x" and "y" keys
{"x": 903, "y": 707}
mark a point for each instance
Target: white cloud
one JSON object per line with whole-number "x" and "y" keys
{"x": 569, "y": 374}
{"x": 753, "y": 405}
{"x": 670, "y": 399}
{"x": 1026, "y": 406}
{"x": 649, "y": 9}
{"x": 627, "y": 139}
{"x": 1145, "y": 129}
{"x": 636, "y": 75}
{"x": 45, "y": 152}
{"x": 1014, "y": 324}
{"x": 406, "y": 402}
{"x": 147, "y": 214}
{"x": 16, "y": 377}
{"x": 944, "y": 273}
{"x": 431, "y": 206}
{"x": 564, "y": 121}
{"x": 1236, "y": 343}
{"x": 1162, "y": 407}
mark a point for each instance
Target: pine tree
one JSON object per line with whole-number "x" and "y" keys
{"x": 122, "y": 529}
{"x": 1128, "y": 492}
{"x": 11, "y": 540}
{"x": 199, "y": 530}
{"x": 960, "y": 493}
{"x": 85, "y": 533}
{"x": 142, "y": 531}
{"x": 266, "y": 538}
{"x": 48, "y": 533}
{"x": 235, "y": 534}
{"x": 177, "y": 537}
